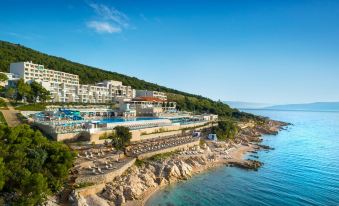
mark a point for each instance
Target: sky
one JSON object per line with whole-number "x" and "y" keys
{"x": 267, "y": 51}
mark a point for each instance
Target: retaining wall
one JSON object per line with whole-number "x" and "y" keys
{"x": 107, "y": 177}
{"x": 170, "y": 149}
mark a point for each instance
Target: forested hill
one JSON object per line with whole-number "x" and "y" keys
{"x": 10, "y": 52}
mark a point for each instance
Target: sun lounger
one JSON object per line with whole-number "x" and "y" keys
{"x": 100, "y": 171}
{"x": 94, "y": 172}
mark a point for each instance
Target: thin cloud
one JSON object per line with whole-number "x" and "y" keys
{"x": 109, "y": 19}
{"x": 103, "y": 27}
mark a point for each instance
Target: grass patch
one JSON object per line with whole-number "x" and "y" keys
{"x": 2, "y": 119}
{"x": 163, "y": 156}
{"x": 3, "y": 104}
{"x": 139, "y": 163}
{"x": 31, "y": 107}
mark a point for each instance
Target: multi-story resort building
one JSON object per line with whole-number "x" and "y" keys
{"x": 10, "y": 79}
{"x": 140, "y": 110}
{"x": 65, "y": 87}
{"x": 155, "y": 94}
{"x": 151, "y": 106}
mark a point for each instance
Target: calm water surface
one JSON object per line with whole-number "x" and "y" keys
{"x": 302, "y": 170}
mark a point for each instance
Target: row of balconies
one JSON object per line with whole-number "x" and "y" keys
{"x": 51, "y": 72}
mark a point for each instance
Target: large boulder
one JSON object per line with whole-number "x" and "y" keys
{"x": 161, "y": 181}
{"x": 120, "y": 199}
{"x": 108, "y": 193}
{"x": 192, "y": 162}
{"x": 172, "y": 172}
{"x": 185, "y": 169}
{"x": 148, "y": 179}
{"x": 133, "y": 192}
{"x": 134, "y": 187}
{"x": 77, "y": 199}
{"x": 202, "y": 160}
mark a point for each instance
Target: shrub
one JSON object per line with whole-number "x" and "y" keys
{"x": 121, "y": 137}
{"x": 226, "y": 129}
{"x": 31, "y": 166}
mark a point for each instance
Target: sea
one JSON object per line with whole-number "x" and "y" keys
{"x": 303, "y": 169}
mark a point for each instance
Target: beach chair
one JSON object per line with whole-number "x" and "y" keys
{"x": 87, "y": 157}
{"x": 94, "y": 172}
{"x": 100, "y": 171}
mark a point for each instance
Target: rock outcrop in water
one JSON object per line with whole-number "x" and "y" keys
{"x": 138, "y": 180}
{"x": 247, "y": 164}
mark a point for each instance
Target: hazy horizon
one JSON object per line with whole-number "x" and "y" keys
{"x": 280, "y": 52}
{"x": 280, "y": 103}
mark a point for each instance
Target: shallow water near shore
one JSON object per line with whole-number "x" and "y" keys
{"x": 302, "y": 170}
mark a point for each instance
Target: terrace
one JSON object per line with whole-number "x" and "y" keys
{"x": 158, "y": 144}
{"x": 98, "y": 164}
{"x": 98, "y": 161}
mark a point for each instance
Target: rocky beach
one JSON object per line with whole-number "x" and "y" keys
{"x": 141, "y": 180}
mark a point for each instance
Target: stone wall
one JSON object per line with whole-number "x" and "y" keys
{"x": 107, "y": 177}
{"x": 85, "y": 164}
{"x": 46, "y": 129}
{"x": 73, "y": 136}
{"x": 138, "y": 135}
{"x": 90, "y": 190}
{"x": 170, "y": 149}
{"x": 162, "y": 134}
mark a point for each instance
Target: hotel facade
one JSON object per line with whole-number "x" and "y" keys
{"x": 155, "y": 94}
{"x": 65, "y": 87}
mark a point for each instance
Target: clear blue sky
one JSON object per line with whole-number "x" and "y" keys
{"x": 260, "y": 51}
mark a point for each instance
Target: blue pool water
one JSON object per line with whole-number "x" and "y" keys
{"x": 117, "y": 119}
{"x": 302, "y": 170}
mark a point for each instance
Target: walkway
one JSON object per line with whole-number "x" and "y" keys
{"x": 10, "y": 115}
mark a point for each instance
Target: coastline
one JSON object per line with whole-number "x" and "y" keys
{"x": 141, "y": 181}
{"x": 237, "y": 156}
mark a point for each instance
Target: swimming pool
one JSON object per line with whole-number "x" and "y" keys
{"x": 118, "y": 119}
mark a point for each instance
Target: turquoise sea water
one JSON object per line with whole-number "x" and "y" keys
{"x": 302, "y": 170}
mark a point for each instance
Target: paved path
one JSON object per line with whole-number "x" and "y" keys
{"x": 10, "y": 115}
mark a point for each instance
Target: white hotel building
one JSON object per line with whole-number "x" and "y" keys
{"x": 155, "y": 94}
{"x": 65, "y": 87}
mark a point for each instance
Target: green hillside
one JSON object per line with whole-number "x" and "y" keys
{"x": 89, "y": 75}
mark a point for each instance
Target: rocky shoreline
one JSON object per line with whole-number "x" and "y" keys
{"x": 137, "y": 184}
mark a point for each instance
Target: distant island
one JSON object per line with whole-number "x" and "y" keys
{"x": 247, "y": 105}
{"x": 316, "y": 106}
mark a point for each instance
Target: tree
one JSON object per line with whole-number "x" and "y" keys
{"x": 23, "y": 90}
{"x": 31, "y": 166}
{"x": 225, "y": 130}
{"x": 121, "y": 137}
{"x": 39, "y": 92}
{"x": 3, "y": 77}
{"x": 2, "y": 173}
{"x": 10, "y": 92}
